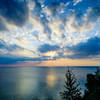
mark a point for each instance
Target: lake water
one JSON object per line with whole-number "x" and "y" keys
{"x": 33, "y": 83}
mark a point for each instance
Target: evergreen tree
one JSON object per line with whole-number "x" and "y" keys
{"x": 72, "y": 90}
{"x": 93, "y": 86}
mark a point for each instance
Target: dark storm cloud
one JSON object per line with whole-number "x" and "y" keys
{"x": 47, "y": 47}
{"x": 86, "y": 49}
{"x": 14, "y": 12}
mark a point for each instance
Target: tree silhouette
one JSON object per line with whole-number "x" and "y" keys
{"x": 93, "y": 86}
{"x": 71, "y": 87}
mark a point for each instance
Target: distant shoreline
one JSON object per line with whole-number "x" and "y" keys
{"x": 53, "y": 66}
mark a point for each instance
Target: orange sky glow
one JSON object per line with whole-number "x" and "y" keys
{"x": 58, "y": 62}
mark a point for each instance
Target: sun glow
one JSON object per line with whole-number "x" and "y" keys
{"x": 51, "y": 79}
{"x": 51, "y": 53}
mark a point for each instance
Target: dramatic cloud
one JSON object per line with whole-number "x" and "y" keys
{"x": 14, "y": 12}
{"x": 10, "y": 60}
{"x": 38, "y": 14}
{"x": 13, "y": 54}
{"x": 38, "y": 30}
{"x": 10, "y": 48}
{"x": 94, "y": 14}
{"x": 90, "y": 48}
{"x": 47, "y": 47}
{"x": 17, "y": 59}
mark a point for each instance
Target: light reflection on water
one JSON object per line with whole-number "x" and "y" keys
{"x": 51, "y": 80}
{"x": 27, "y": 83}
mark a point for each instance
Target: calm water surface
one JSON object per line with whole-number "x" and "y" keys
{"x": 30, "y": 83}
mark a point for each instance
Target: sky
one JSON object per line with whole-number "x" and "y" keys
{"x": 49, "y": 32}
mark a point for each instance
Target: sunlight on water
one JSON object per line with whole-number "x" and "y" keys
{"x": 25, "y": 83}
{"x": 51, "y": 80}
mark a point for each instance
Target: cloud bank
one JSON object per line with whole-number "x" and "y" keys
{"x": 40, "y": 30}
{"x": 13, "y": 12}
{"x": 90, "y": 48}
